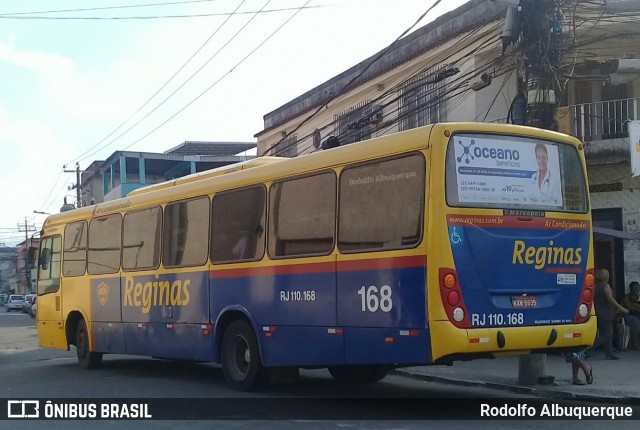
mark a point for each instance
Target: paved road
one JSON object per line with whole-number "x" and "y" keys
{"x": 32, "y": 372}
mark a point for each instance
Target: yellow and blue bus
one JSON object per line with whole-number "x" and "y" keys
{"x": 447, "y": 242}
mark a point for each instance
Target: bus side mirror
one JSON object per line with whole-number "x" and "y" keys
{"x": 45, "y": 258}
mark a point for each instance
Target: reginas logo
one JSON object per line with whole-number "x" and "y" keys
{"x": 103, "y": 293}
{"x": 543, "y": 255}
{"x": 156, "y": 293}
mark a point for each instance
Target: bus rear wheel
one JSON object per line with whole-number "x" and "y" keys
{"x": 358, "y": 374}
{"x": 86, "y": 358}
{"x": 241, "y": 364}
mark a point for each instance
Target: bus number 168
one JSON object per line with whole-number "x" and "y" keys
{"x": 373, "y": 298}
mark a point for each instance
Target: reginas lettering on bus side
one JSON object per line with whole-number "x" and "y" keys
{"x": 158, "y": 293}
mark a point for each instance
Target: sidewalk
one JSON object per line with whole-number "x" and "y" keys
{"x": 613, "y": 380}
{"x": 18, "y": 339}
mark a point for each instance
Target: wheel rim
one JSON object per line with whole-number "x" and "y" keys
{"x": 241, "y": 357}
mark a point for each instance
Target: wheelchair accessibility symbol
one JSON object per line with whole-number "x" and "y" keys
{"x": 455, "y": 235}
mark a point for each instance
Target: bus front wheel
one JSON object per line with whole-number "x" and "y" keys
{"x": 241, "y": 364}
{"x": 86, "y": 358}
{"x": 358, "y": 374}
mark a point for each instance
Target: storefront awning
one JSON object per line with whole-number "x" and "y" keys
{"x": 630, "y": 235}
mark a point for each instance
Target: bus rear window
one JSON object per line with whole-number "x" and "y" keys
{"x": 492, "y": 171}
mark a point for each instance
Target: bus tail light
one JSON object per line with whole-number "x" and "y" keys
{"x": 452, "y": 298}
{"x": 586, "y": 298}
{"x": 450, "y": 281}
{"x": 589, "y": 279}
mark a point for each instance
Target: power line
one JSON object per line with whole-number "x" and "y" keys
{"x": 455, "y": 89}
{"x": 485, "y": 39}
{"x": 147, "y": 17}
{"x": 493, "y": 102}
{"x": 458, "y": 91}
{"x": 188, "y": 79}
{"x": 55, "y": 183}
{"x": 156, "y": 93}
{"x": 108, "y": 7}
{"x": 354, "y": 79}
{"x": 221, "y": 78}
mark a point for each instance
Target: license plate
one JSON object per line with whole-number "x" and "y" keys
{"x": 524, "y": 302}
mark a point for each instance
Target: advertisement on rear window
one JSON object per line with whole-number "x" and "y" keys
{"x": 499, "y": 171}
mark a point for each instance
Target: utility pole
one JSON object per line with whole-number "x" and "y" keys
{"x": 540, "y": 42}
{"x": 77, "y": 185}
{"x": 27, "y": 228}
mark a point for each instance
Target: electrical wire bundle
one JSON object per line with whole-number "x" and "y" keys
{"x": 556, "y": 37}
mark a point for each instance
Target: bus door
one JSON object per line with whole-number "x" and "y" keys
{"x": 51, "y": 331}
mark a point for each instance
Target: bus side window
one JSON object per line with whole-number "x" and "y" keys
{"x": 141, "y": 239}
{"x": 382, "y": 205}
{"x": 186, "y": 233}
{"x": 302, "y": 216}
{"x": 105, "y": 235}
{"x": 237, "y": 225}
{"x": 75, "y": 249}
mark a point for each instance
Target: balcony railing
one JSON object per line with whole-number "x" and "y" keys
{"x": 603, "y": 120}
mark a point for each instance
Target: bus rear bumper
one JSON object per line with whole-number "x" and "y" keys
{"x": 450, "y": 343}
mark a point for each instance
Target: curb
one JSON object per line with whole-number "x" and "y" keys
{"x": 467, "y": 383}
{"x": 520, "y": 389}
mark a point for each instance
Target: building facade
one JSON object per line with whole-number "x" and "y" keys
{"x": 125, "y": 171}
{"x": 472, "y": 64}
{"x": 8, "y": 273}
{"x": 26, "y": 269}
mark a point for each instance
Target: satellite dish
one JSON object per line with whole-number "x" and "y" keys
{"x": 316, "y": 138}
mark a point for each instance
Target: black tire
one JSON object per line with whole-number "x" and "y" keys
{"x": 362, "y": 374}
{"x": 87, "y": 359}
{"x": 241, "y": 363}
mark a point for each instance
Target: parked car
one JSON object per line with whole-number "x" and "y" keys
{"x": 32, "y": 309}
{"x": 28, "y": 301}
{"x": 3, "y": 298}
{"x": 15, "y": 302}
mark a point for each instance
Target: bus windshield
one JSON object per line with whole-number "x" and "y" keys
{"x": 514, "y": 172}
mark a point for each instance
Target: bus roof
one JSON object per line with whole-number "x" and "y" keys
{"x": 261, "y": 161}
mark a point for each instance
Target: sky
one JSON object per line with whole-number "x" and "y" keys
{"x": 77, "y": 90}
